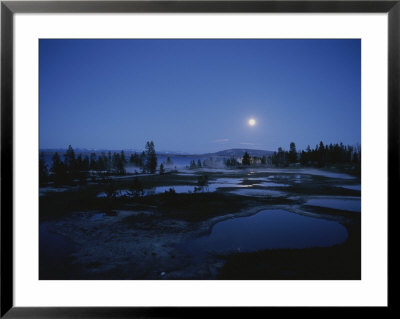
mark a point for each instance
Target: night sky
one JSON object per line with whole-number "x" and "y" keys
{"x": 197, "y": 96}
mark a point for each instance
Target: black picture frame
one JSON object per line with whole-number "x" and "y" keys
{"x": 9, "y": 8}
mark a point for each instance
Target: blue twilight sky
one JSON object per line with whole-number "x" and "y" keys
{"x": 197, "y": 96}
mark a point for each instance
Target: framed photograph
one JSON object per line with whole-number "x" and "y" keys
{"x": 160, "y": 158}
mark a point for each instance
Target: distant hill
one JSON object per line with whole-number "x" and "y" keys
{"x": 239, "y": 152}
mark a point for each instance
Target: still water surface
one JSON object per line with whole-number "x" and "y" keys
{"x": 269, "y": 229}
{"x": 352, "y": 204}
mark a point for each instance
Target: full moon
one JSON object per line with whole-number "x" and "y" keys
{"x": 252, "y": 122}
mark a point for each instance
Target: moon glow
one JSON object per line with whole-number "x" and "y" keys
{"x": 252, "y": 122}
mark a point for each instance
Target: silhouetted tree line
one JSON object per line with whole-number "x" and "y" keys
{"x": 320, "y": 156}
{"x": 74, "y": 168}
{"x": 137, "y": 159}
{"x": 77, "y": 168}
{"x": 198, "y": 164}
{"x": 232, "y": 162}
{"x": 208, "y": 163}
{"x": 108, "y": 163}
{"x": 194, "y": 165}
{"x": 43, "y": 170}
{"x": 246, "y": 160}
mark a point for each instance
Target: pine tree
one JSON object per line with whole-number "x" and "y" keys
{"x": 43, "y": 171}
{"x": 92, "y": 164}
{"x": 162, "y": 171}
{"x": 246, "y": 159}
{"x": 151, "y": 157}
{"x": 108, "y": 160}
{"x": 85, "y": 163}
{"x": 321, "y": 154}
{"x": 69, "y": 156}
{"x": 120, "y": 164}
{"x": 264, "y": 160}
{"x": 133, "y": 159}
{"x": 59, "y": 170}
{"x": 123, "y": 159}
{"x": 292, "y": 156}
{"x": 100, "y": 165}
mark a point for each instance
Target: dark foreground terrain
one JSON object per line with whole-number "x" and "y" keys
{"x": 88, "y": 232}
